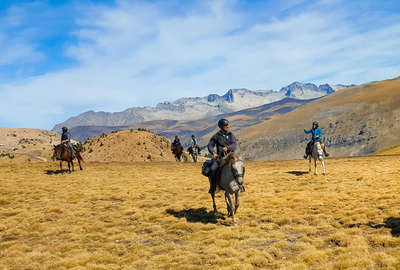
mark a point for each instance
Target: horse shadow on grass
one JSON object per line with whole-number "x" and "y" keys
{"x": 297, "y": 173}
{"x": 196, "y": 215}
{"x": 392, "y": 223}
{"x": 51, "y": 172}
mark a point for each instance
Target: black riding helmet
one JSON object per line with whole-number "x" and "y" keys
{"x": 192, "y": 135}
{"x": 222, "y": 123}
{"x": 64, "y": 129}
{"x": 315, "y": 123}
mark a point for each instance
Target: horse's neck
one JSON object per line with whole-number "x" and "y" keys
{"x": 315, "y": 150}
{"x": 226, "y": 171}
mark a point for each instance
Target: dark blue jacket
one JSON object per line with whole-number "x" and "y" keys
{"x": 176, "y": 142}
{"x": 220, "y": 140}
{"x": 65, "y": 136}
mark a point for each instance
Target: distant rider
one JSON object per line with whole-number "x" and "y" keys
{"x": 66, "y": 141}
{"x": 316, "y": 137}
{"x": 225, "y": 142}
{"x": 194, "y": 144}
{"x": 176, "y": 142}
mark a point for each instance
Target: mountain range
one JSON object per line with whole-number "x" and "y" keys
{"x": 195, "y": 108}
{"x": 355, "y": 121}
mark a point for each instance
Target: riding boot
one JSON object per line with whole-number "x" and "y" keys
{"x": 213, "y": 184}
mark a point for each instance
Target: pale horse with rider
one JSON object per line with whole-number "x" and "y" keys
{"x": 225, "y": 170}
{"x": 315, "y": 149}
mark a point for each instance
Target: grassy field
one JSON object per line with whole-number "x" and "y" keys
{"x": 158, "y": 216}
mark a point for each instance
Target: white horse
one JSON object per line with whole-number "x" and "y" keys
{"x": 231, "y": 175}
{"x": 317, "y": 153}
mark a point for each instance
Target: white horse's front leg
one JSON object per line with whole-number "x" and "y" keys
{"x": 231, "y": 206}
{"x": 228, "y": 207}
{"x": 237, "y": 196}
{"x": 315, "y": 167}
{"x": 323, "y": 166}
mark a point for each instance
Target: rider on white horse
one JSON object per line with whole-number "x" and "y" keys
{"x": 225, "y": 142}
{"x": 316, "y": 137}
{"x": 194, "y": 144}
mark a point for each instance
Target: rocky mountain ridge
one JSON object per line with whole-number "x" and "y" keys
{"x": 356, "y": 121}
{"x": 194, "y": 108}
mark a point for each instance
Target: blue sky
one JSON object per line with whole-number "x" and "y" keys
{"x": 61, "y": 58}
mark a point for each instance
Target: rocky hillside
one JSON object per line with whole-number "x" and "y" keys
{"x": 355, "y": 121}
{"x": 199, "y": 107}
{"x": 202, "y": 127}
{"x": 27, "y": 144}
{"x": 128, "y": 146}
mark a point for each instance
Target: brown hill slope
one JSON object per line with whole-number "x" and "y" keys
{"x": 27, "y": 144}
{"x": 355, "y": 121}
{"x": 395, "y": 150}
{"x": 128, "y": 146}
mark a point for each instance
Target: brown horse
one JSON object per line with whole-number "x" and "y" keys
{"x": 63, "y": 153}
{"x": 177, "y": 150}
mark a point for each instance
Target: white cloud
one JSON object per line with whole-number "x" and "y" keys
{"x": 139, "y": 53}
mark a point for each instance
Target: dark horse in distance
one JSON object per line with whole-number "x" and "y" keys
{"x": 177, "y": 150}
{"x": 63, "y": 153}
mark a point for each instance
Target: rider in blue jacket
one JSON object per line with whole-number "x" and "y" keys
{"x": 316, "y": 137}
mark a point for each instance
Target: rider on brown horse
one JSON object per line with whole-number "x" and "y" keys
{"x": 176, "y": 141}
{"x": 66, "y": 141}
{"x": 225, "y": 142}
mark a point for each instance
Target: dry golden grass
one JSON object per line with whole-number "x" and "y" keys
{"x": 158, "y": 216}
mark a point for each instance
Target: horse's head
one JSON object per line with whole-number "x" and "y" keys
{"x": 237, "y": 166}
{"x": 57, "y": 150}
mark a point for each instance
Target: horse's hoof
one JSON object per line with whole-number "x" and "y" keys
{"x": 235, "y": 224}
{"x": 315, "y": 173}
